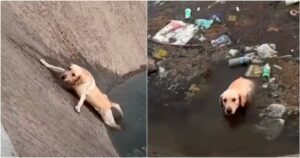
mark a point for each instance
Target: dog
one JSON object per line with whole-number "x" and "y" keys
{"x": 237, "y": 95}
{"x": 84, "y": 84}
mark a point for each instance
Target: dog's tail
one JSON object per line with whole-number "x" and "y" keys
{"x": 117, "y": 106}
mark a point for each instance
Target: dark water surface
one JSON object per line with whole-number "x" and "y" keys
{"x": 199, "y": 127}
{"x": 131, "y": 95}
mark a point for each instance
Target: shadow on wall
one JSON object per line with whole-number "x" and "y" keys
{"x": 37, "y": 113}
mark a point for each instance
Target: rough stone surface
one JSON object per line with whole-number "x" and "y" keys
{"x": 38, "y": 114}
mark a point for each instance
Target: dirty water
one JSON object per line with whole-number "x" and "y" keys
{"x": 199, "y": 128}
{"x": 131, "y": 95}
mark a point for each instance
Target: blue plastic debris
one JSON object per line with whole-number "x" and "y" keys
{"x": 203, "y": 23}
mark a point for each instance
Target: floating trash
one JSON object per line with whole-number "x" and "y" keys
{"x": 254, "y": 71}
{"x": 239, "y": 61}
{"x": 221, "y": 41}
{"x": 176, "y": 33}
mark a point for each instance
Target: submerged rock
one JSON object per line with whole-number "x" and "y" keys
{"x": 271, "y": 127}
{"x": 272, "y": 124}
{"x": 274, "y": 111}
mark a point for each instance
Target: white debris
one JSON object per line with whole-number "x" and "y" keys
{"x": 202, "y": 38}
{"x": 247, "y": 49}
{"x": 290, "y": 2}
{"x": 176, "y": 33}
{"x": 266, "y": 51}
{"x": 277, "y": 67}
{"x": 162, "y": 72}
{"x": 233, "y": 52}
{"x": 265, "y": 85}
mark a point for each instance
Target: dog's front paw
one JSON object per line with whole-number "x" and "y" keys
{"x": 43, "y": 62}
{"x": 77, "y": 108}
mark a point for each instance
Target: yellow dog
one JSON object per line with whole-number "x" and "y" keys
{"x": 237, "y": 94}
{"x": 84, "y": 84}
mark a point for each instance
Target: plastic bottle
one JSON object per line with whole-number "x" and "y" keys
{"x": 239, "y": 61}
{"x": 266, "y": 72}
{"x": 188, "y": 13}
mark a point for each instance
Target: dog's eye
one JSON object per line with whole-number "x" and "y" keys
{"x": 224, "y": 100}
{"x": 233, "y": 100}
{"x": 73, "y": 74}
{"x": 69, "y": 68}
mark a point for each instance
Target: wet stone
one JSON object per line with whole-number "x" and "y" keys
{"x": 271, "y": 127}
{"x": 274, "y": 111}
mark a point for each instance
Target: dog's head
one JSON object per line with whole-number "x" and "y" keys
{"x": 230, "y": 101}
{"x": 73, "y": 75}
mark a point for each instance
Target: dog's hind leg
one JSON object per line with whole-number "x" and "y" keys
{"x": 115, "y": 105}
{"x": 51, "y": 67}
{"x": 108, "y": 118}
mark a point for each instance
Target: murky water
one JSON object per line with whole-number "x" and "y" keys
{"x": 199, "y": 127}
{"x": 131, "y": 95}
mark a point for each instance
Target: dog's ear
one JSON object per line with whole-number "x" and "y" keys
{"x": 78, "y": 80}
{"x": 221, "y": 101}
{"x": 240, "y": 100}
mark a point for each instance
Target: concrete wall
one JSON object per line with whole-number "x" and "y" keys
{"x": 108, "y": 38}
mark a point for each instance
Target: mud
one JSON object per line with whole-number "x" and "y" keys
{"x": 194, "y": 125}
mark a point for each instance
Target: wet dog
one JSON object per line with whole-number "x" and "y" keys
{"x": 84, "y": 84}
{"x": 237, "y": 95}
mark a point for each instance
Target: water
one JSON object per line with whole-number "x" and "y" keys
{"x": 199, "y": 127}
{"x": 131, "y": 95}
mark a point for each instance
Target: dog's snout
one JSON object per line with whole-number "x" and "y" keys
{"x": 228, "y": 110}
{"x": 63, "y": 77}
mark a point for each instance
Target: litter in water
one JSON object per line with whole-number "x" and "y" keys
{"x": 277, "y": 67}
{"x": 160, "y": 54}
{"x": 231, "y": 18}
{"x": 266, "y": 72}
{"x": 176, "y": 33}
{"x": 239, "y": 61}
{"x": 253, "y": 71}
{"x": 233, "y": 52}
{"x": 294, "y": 12}
{"x": 266, "y": 51}
{"x": 203, "y": 23}
{"x": 202, "y": 38}
{"x": 221, "y": 41}
{"x": 216, "y": 18}
{"x": 188, "y": 13}
{"x": 162, "y": 72}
